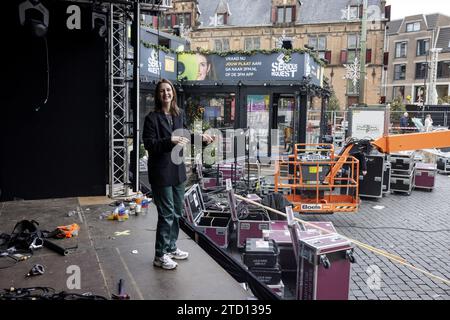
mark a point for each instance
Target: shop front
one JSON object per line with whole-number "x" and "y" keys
{"x": 268, "y": 95}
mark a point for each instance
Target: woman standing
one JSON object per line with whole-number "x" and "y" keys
{"x": 428, "y": 123}
{"x": 167, "y": 178}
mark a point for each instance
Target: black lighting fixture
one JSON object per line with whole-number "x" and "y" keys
{"x": 35, "y": 16}
{"x": 308, "y": 47}
{"x": 99, "y": 23}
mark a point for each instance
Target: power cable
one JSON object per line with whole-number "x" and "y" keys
{"x": 48, "y": 76}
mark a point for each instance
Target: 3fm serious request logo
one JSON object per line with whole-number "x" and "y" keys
{"x": 153, "y": 64}
{"x": 283, "y": 69}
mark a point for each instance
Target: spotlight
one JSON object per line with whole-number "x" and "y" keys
{"x": 99, "y": 23}
{"x": 37, "y": 19}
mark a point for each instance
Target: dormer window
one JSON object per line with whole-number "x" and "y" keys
{"x": 412, "y": 27}
{"x": 353, "y": 12}
{"x": 285, "y": 14}
{"x": 221, "y": 19}
{"x": 222, "y": 12}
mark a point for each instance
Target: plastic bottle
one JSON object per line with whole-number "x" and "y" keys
{"x": 121, "y": 209}
{"x": 138, "y": 208}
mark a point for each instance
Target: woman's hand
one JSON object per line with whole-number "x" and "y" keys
{"x": 207, "y": 138}
{"x": 180, "y": 140}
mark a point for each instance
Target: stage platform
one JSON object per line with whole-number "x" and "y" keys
{"x": 106, "y": 251}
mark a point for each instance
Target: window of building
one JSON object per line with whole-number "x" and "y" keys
{"x": 401, "y": 49}
{"x": 319, "y": 44}
{"x": 221, "y": 45}
{"x": 165, "y": 21}
{"x": 285, "y": 14}
{"x": 287, "y": 44}
{"x": 221, "y": 19}
{"x": 423, "y": 46}
{"x": 353, "y": 12}
{"x": 412, "y": 27}
{"x": 351, "y": 56}
{"x": 443, "y": 70}
{"x": 219, "y": 110}
{"x": 351, "y": 88}
{"x": 420, "y": 95}
{"x": 353, "y": 41}
{"x": 398, "y": 92}
{"x": 352, "y": 47}
{"x": 399, "y": 72}
{"x": 421, "y": 70}
{"x": 252, "y": 43}
{"x": 184, "y": 18}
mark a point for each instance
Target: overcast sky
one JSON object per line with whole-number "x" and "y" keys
{"x": 403, "y": 8}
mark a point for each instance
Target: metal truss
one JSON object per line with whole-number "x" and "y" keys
{"x": 121, "y": 130}
{"x": 118, "y": 100}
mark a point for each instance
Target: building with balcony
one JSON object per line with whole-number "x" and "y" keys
{"x": 409, "y": 59}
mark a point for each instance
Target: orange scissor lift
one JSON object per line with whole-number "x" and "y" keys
{"x": 315, "y": 185}
{"x": 312, "y": 183}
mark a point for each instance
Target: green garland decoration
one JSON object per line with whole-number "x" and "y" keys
{"x": 288, "y": 52}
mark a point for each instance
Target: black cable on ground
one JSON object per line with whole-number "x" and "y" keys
{"x": 44, "y": 293}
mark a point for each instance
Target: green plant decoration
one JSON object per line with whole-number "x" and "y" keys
{"x": 287, "y": 52}
{"x": 397, "y": 109}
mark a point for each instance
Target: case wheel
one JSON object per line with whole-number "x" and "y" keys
{"x": 325, "y": 262}
{"x": 349, "y": 255}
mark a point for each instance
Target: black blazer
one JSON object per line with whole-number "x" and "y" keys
{"x": 156, "y": 136}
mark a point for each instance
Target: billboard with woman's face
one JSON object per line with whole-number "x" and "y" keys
{"x": 194, "y": 67}
{"x": 260, "y": 67}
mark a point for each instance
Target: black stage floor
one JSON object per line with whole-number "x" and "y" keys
{"x": 110, "y": 250}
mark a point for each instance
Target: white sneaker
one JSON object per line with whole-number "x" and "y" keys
{"x": 178, "y": 254}
{"x": 165, "y": 262}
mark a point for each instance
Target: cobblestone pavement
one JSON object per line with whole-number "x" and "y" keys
{"x": 416, "y": 228}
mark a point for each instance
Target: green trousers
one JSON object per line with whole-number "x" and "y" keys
{"x": 169, "y": 203}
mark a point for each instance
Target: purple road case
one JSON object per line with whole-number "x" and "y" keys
{"x": 280, "y": 233}
{"x": 230, "y": 171}
{"x": 425, "y": 174}
{"x": 214, "y": 224}
{"x": 253, "y": 224}
{"x": 211, "y": 183}
{"x": 325, "y": 266}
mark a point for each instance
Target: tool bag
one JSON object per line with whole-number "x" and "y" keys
{"x": 26, "y": 236}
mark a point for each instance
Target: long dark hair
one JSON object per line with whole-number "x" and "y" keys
{"x": 174, "y": 110}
